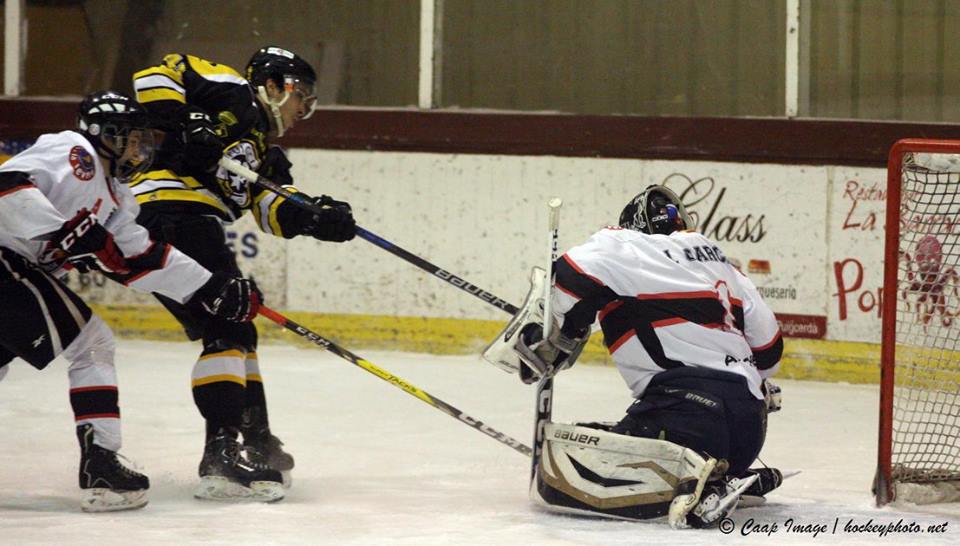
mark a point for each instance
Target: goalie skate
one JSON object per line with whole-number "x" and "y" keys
{"x": 225, "y": 475}
{"x": 769, "y": 479}
{"x": 716, "y": 500}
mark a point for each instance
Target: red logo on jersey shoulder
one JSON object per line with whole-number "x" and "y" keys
{"x": 82, "y": 163}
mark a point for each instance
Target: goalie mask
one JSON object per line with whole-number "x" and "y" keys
{"x": 656, "y": 211}
{"x": 120, "y": 129}
{"x": 292, "y": 75}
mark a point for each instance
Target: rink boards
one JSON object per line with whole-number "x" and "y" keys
{"x": 810, "y": 237}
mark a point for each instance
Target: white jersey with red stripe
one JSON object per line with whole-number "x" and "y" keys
{"x": 665, "y": 301}
{"x": 64, "y": 176}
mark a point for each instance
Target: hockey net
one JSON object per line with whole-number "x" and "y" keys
{"x": 919, "y": 440}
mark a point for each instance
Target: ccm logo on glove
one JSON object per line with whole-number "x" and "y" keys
{"x": 86, "y": 245}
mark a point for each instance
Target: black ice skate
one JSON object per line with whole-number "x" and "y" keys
{"x": 107, "y": 484}
{"x": 267, "y": 450}
{"x": 226, "y": 475}
{"x": 262, "y": 446}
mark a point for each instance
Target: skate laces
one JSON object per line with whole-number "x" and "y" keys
{"x": 255, "y": 458}
{"x": 235, "y": 452}
{"x": 128, "y": 466}
{"x": 123, "y": 464}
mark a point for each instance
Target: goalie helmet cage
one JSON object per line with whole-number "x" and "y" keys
{"x": 919, "y": 436}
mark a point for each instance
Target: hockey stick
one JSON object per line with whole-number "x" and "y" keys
{"x": 544, "y": 408}
{"x": 303, "y": 201}
{"x": 393, "y": 380}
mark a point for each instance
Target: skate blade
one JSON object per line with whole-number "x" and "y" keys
{"x": 751, "y": 501}
{"x": 105, "y": 500}
{"x": 223, "y": 489}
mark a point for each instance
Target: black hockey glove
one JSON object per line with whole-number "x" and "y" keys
{"x": 86, "y": 245}
{"x": 230, "y": 298}
{"x": 276, "y": 166}
{"x": 202, "y": 147}
{"x": 333, "y": 222}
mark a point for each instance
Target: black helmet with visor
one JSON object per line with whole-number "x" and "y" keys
{"x": 290, "y": 72}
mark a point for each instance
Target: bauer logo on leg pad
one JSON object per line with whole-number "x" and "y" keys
{"x": 572, "y": 436}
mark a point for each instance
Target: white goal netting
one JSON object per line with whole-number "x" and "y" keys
{"x": 925, "y": 450}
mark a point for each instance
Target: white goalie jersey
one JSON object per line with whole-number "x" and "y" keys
{"x": 50, "y": 182}
{"x": 665, "y": 301}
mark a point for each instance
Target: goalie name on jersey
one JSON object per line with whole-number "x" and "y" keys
{"x": 700, "y": 253}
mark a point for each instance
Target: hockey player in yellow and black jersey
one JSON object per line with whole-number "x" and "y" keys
{"x": 210, "y": 111}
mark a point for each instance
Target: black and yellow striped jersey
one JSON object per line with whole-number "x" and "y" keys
{"x": 217, "y": 89}
{"x": 241, "y": 123}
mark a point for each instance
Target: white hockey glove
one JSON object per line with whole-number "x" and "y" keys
{"x": 771, "y": 395}
{"x": 547, "y": 356}
{"x": 519, "y": 347}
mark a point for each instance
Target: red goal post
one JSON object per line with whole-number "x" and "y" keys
{"x": 919, "y": 434}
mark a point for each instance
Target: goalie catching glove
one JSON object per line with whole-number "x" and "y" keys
{"x": 86, "y": 245}
{"x": 520, "y": 347}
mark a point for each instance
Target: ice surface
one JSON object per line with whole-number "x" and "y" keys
{"x": 377, "y": 466}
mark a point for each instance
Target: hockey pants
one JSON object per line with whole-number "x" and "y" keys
{"x": 43, "y": 319}
{"x": 707, "y": 410}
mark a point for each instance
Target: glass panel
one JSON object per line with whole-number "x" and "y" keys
{"x": 365, "y": 51}
{"x": 892, "y": 59}
{"x": 677, "y": 57}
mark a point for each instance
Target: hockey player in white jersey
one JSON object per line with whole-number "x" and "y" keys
{"x": 64, "y": 205}
{"x": 694, "y": 342}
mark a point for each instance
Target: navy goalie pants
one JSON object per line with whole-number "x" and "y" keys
{"x": 710, "y": 411}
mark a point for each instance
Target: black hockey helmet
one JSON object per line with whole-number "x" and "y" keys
{"x": 120, "y": 129}
{"x": 289, "y": 72}
{"x": 277, "y": 64}
{"x": 656, "y": 210}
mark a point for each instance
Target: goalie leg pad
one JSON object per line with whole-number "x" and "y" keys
{"x": 586, "y": 470}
